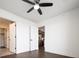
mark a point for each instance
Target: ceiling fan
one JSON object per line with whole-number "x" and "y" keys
{"x": 36, "y": 5}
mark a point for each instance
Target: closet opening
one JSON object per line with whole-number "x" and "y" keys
{"x": 41, "y": 34}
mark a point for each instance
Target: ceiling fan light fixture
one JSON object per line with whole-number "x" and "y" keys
{"x": 36, "y": 6}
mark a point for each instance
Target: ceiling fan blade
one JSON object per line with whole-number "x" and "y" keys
{"x": 45, "y": 4}
{"x": 29, "y": 2}
{"x": 40, "y": 12}
{"x": 37, "y": 1}
{"x": 30, "y": 9}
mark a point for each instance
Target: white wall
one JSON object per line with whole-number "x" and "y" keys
{"x": 62, "y": 34}
{"x": 22, "y": 30}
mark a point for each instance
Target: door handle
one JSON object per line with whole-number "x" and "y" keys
{"x": 30, "y": 39}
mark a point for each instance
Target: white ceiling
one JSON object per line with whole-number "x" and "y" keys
{"x": 20, "y": 8}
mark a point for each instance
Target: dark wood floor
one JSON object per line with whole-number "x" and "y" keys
{"x": 36, "y": 54}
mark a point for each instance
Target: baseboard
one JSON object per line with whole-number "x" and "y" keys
{"x": 18, "y": 52}
{"x": 58, "y": 53}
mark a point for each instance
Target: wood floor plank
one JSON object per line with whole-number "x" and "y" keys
{"x": 36, "y": 54}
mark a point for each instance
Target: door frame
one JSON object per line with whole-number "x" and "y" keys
{"x": 15, "y": 38}
{"x": 2, "y": 18}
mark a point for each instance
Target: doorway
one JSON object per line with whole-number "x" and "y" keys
{"x": 41, "y": 33}
{"x": 7, "y": 37}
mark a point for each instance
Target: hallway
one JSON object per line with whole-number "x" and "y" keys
{"x": 6, "y": 37}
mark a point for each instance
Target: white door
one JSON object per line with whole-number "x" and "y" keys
{"x": 12, "y": 38}
{"x": 33, "y": 38}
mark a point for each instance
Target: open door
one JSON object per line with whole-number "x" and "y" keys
{"x": 12, "y": 38}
